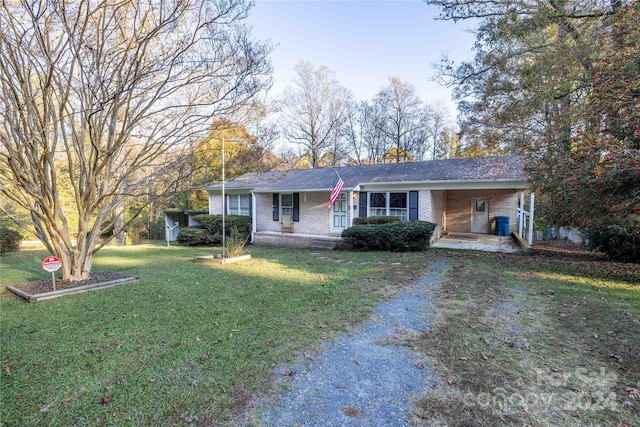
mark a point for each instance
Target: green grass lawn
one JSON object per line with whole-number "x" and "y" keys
{"x": 188, "y": 340}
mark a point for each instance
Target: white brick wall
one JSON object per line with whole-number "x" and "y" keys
{"x": 314, "y": 216}
{"x": 424, "y": 206}
{"x": 215, "y": 204}
{"x": 450, "y": 210}
{"x": 437, "y": 215}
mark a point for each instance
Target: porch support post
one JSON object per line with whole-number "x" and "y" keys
{"x": 521, "y": 214}
{"x": 253, "y": 215}
{"x": 351, "y": 208}
{"x": 531, "y": 217}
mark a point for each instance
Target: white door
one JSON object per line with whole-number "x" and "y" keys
{"x": 339, "y": 213}
{"x": 479, "y": 216}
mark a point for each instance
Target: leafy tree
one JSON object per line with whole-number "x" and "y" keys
{"x": 108, "y": 98}
{"x": 599, "y": 179}
{"x": 314, "y": 111}
{"x": 243, "y": 153}
{"x": 531, "y": 73}
{"x": 557, "y": 80}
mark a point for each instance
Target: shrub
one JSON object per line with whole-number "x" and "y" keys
{"x": 395, "y": 236}
{"x": 372, "y": 220}
{"x": 9, "y": 240}
{"x": 198, "y": 236}
{"x": 213, "y": 223}
{"x": 619, "y": 239}
{"x": 234, "y": 244}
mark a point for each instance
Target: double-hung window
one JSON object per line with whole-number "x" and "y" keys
{"x": 239, "y": 204}
{"x": 286, "y": 204}
{"x": 398, "y": 205}
{"x": 378, "y": 204}
{"x": 388, "y": 204}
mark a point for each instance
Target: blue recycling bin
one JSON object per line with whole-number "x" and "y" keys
{"x": 502, "y": 225}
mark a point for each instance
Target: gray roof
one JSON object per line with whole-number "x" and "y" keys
{"x": 481, "y": 169}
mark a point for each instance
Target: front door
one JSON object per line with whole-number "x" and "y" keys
{"x": 339, "y": 213}
{"x": 479, "y": 216}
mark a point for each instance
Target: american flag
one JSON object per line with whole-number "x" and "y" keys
{"x": 338, "y": 185}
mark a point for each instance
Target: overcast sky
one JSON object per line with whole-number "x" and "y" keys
{"x": 363, "y": 42}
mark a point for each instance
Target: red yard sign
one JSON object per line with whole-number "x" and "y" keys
{"x": 51, "y": 264}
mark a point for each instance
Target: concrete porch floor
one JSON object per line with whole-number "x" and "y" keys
{"x": 478, "y": 242}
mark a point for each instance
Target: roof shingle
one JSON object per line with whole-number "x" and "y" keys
{"x": 506, "y": 168}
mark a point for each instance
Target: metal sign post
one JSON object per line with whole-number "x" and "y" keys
{"x": 52, "y": 264}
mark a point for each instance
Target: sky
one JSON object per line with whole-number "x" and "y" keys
{"x": 362, "y": 42}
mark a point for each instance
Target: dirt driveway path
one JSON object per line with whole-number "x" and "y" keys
{"x": 365, "y": 378}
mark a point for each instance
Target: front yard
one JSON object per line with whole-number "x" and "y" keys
{"x": 517, "y": 339}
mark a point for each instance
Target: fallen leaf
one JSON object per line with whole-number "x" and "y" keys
{"x": 633, "y": 391}
{"x": 7, "y": 370}
{"x": 484, "y": 355}
{"x": 357, "y": 362}
{"x": 67, "y": 400}
{"x": 46, "y": 408}
{"x": 450, "y": 382}
{"x": 105, "y": 400}
{"x": 419, "y": 366}
{"x": 288, "y": 373}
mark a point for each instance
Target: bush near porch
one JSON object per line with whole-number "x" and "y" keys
{"x": 210, "y": 233}
{"x": 396, "y": 236}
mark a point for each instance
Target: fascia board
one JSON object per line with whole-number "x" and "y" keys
{"x": 297, "y": 190}
{"x": 446, "y": 185}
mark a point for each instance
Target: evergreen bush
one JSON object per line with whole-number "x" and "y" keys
{"x": 213, "y": 223}
{"x": 394, "y": 236}
{"x": 372, "y": 220}
{"x": 198, "y": 236}
{"x": 9, "y": 240}
{"x": 619, "y": 239}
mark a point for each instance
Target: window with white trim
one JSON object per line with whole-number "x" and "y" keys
{"x": 286, "y": 204}
{"x": 239, "y": 204}
{"x": 377, "y": 204}
{"x": 389, "y": 204}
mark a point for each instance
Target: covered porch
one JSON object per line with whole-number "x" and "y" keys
{"x": 478, "y": 242}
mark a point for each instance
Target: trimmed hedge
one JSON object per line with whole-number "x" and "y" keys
{"x": 619, "y": 239}
{"x": 372, "y": 220}
{"x": 395, "y": 236}
{"x": 210, "y": 233}
{"x": 9, "y": 240}
{"x": 198, "y": 236}
{"x": 213, "y": 223}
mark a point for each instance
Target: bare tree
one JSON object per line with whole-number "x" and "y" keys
{"x": 438, "y": 123}
{"x": 314, "y": 110}
{"x": 366, "y": 122}
{"x": 405, "y": 124}
{"x": 106, "y": 98}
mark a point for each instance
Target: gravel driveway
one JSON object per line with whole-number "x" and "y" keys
{"x": 364, "y": 378}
